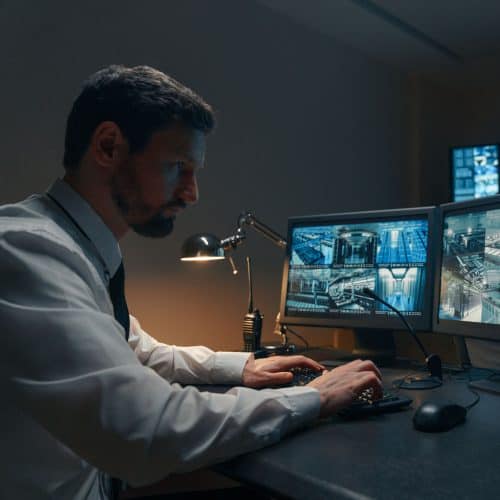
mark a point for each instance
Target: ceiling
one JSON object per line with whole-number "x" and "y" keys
{"x": 453, "y": 41}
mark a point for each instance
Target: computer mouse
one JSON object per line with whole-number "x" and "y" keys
{"x": 434, "y": 416}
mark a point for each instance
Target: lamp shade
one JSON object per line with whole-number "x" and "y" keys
{"x": 202, "y": 247}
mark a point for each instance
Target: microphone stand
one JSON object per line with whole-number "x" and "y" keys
{"x": 433, "y": 361}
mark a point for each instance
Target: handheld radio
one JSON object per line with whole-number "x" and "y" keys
{"x": 252, "y": 322}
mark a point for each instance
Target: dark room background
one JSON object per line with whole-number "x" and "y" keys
{"x": 307, "y": 124}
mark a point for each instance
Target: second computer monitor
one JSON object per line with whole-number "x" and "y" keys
{"x": 467, "y": 295}
{"x": 331, "y": 258}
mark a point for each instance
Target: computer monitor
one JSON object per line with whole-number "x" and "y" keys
{"x": 474, "y": 171}
{"x": 331, "y": 258}
{"x": 467, "y": 283}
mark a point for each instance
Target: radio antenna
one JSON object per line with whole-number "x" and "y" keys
{"x": 250, "y": 291}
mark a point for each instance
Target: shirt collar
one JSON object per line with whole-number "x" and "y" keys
{"x": 90, "y": 222}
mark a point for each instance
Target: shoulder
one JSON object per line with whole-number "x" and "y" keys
{"x": 30, "y": 222}
{"x": 30, "y": 237}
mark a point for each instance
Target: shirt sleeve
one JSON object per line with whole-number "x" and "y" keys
{"x": 186, "y": 365}
{"x": 66, "y": 363}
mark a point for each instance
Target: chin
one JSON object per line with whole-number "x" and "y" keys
{"x": 156, "y": 227}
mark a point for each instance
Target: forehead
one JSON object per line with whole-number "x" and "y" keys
{"x": 179, "y": 142}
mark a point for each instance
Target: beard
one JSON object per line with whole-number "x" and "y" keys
{"x": 157, "y": 226}
{"x": 128, "y": 202}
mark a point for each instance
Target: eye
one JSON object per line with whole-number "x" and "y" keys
{"x": 179, "y": 169}
{"x": 172, "y": 169}
{"x": 172, "y": 165}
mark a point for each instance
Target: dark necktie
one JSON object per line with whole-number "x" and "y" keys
{"x": 116, "y": 283}
{"x": 117, "y": 296}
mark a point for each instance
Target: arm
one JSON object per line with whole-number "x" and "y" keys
{"x": 186, "y": 365}
{"x": 65, "y": 363}
{"x": 200, "y": 365}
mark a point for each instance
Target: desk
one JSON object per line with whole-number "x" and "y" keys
{"x": 384, "y": 457}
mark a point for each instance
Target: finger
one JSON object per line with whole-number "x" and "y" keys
{"x": 327, "y": 378}
{"x": 348, "y": 367}
{"x": 287, "y": 362}
{"x": 368, "y": 365}
{"x": 305, "y": 362}
{"x": 368, "y": 380}
{"x": 353, "y": 364}
{"x": 358, "y": 365}
{"x": 278, "y": 378}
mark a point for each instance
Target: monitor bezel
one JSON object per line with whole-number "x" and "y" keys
{"x": 422, "y": 323}
{"x": 452, "y": 170}
{"x": 454, "y": 327}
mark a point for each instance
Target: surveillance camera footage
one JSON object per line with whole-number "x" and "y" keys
{"x": 331, "y": 264}
{"x": 475, "y": 172}
{"x": 470, "y": 270}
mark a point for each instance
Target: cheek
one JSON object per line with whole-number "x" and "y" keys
{"x": 142, "y": 193}
{"x": 170, "y": 181}
{"x": 124, "y": 184}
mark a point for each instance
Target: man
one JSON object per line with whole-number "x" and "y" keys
{"x": 87, "y": 394}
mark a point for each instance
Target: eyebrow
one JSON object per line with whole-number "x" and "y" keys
{"x": 188, "y": 160}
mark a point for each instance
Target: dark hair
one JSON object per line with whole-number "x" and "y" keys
{"x": 140, "y": 100}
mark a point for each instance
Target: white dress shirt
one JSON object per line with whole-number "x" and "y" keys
{"x": 80, "y": 404}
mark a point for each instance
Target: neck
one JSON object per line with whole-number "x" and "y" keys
{"x": 98, "y": 195}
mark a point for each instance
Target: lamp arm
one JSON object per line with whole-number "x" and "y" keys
{"x": 231, "y": 242}
{"x": 249, "y": 219}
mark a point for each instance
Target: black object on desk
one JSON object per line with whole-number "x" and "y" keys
{"x": 490, "y": 384}
{"x": 438, "y": 417}
{"x": 364, "y": 405}
{"x": 252, "y": 322}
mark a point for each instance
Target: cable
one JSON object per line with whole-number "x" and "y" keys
{"x": 491, "y": 376}
{"x": 476, "y": 401}
{"x": 433, "y": 361}
{"x": 306, "y": 343}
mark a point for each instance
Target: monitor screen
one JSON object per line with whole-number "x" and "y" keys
{"x": 331, "y": 258}
{"x": 468, "y": 279}
{"x": 474, "y": 172}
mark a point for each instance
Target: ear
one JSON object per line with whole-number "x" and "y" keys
{"x": 108, "y": 146}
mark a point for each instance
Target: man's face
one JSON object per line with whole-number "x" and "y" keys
{"x": 150, "y": 187}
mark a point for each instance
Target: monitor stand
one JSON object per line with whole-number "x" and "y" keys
{"x": 491, "y": 384}
{"x": 377, "y": 345}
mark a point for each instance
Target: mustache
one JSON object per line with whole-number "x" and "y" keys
{"x": 178, "y": 203}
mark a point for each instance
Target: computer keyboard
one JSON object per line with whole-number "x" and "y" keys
{"x": 302, "y": 376}
{"x": 364, "y": 405}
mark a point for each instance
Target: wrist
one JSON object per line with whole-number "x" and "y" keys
{"x": 248, "y": 370}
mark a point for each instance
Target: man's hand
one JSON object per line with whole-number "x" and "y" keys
{"x": 275, "y": 370}
{"x": 341, "y": 386}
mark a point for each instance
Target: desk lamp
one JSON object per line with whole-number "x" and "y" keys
{"x": 204, "y": 247}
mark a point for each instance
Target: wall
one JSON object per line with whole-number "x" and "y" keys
{"x": 452, "y": 114}
{"x": 306, "y": 125}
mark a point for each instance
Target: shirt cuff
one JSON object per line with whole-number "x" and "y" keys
{"x": 228, "y": 367}
{"x": 304, "y": 404}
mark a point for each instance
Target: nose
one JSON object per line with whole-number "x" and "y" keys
{"x": 190, "y": 192}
